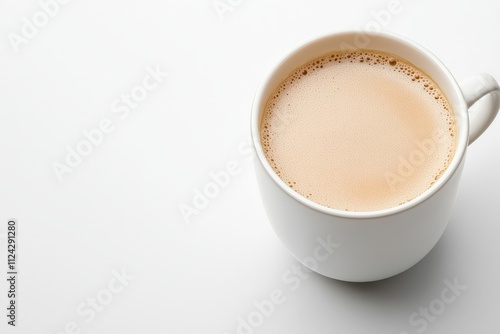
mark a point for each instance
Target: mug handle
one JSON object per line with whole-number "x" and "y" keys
{"x": 474, "y": 89}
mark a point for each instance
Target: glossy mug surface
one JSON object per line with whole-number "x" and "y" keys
{"x": 370, "y": 245}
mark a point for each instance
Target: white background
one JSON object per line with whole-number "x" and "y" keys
{"x": 119, "y": 209}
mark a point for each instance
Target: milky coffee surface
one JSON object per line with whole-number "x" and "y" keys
{"x": 358, "y": 131}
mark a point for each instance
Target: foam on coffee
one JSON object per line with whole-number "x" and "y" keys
{"x": 358, "y": 131}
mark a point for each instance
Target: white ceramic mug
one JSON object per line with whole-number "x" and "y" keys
{"x": 368, "y": 246}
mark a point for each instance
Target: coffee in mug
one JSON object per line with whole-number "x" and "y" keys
{"x": 358, "y": 130}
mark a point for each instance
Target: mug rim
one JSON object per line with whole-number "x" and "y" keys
{"x": 462, "y": 127}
